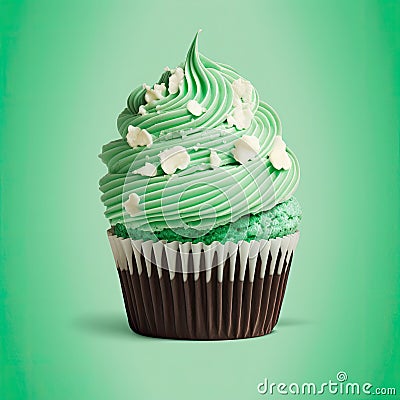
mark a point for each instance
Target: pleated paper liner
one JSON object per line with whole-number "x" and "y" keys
{"x": 203, "y": 292}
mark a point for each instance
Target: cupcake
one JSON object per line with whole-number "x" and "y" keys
{"x": 199, "y": 195}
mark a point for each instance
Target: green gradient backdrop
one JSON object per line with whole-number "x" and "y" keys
{"x": 330, "y": 68}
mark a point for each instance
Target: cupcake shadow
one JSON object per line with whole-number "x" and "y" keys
{"x": 111, "y": 325}
{"x": 291, "y": 322}
{"x": 115, "y": 325}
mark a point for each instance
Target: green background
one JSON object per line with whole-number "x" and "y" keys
{"x": 330, "y": 68}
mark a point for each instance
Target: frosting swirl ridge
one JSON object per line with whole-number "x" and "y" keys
{"x": 214, "y": 113}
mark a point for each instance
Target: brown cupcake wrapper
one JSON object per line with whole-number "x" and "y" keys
{"x": 203, "y": 292}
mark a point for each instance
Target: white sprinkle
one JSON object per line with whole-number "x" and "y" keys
{"x": 175, "y": 80}
{"x": 241, "y": 116}
{"x": 142, "y": 110}
{"x": 215, "y": 160}
{"x": 138, "y": 137}
{"x": 175, "y": 158}
{"x": 278, "y": 156}
{"x": 157, "y": 93}
{"x": 147, "y": 170}
{"x": 246, "y": 148}
{"x": 195, "y": 108}
{"x": 132, "y": 205}
{"x": 242, "y": 89}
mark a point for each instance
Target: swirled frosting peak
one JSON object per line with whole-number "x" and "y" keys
{"x": 198, "y": 149}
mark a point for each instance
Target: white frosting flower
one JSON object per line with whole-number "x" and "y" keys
{"x": 174, "y": 158}
{"x": 246, "y": 148}
{"x": 142, "y": 110}
{"x": 215, "y": 159}
{"x": 132, "y": 205}
{"x": 243, "y": 89}
{"x": 147, "y": 170}
{"x": 278, "y": 156}
{"x": 195, "y": 108}
{"x": 241, "y": 116}
{"x": 157, "y": 93}
{"x": 175, "y": 80}
{"x": 138, "y": 137}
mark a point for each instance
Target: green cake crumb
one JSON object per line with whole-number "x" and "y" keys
{"x": 281, "y": 220}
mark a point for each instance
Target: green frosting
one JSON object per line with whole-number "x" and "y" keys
{"x": 198, "y": 197}
{"x": 281, "y": 220}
